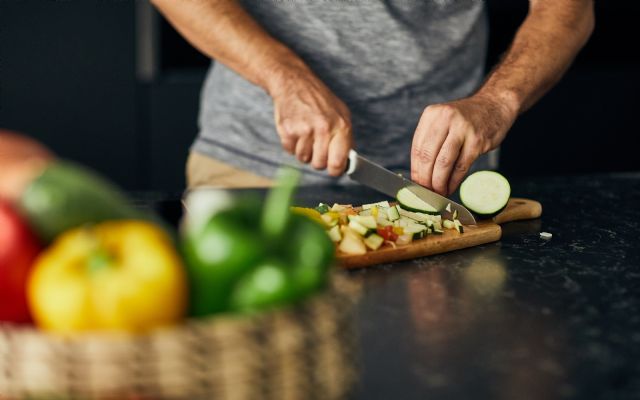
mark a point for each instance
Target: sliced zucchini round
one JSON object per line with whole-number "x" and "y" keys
{"x": 485, "y": 193}
{"x": 409, "y": 201}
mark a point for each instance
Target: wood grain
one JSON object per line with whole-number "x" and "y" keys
{"x": 485, "y": 231}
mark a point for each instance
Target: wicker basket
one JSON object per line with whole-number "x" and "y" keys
{"x": 301, "y": 352}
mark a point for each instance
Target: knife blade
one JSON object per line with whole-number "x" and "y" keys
{"x": 381, "y": 179}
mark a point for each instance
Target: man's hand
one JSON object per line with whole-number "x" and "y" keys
{"x": 312, "y": 122}
{"x": 451, "y": 136}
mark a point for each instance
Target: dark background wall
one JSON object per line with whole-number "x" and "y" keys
{"x": 111, "y": 85}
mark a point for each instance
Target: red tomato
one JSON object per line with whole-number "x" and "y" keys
{"x": 18, "y": 249}
{"x": 387, "y": 233}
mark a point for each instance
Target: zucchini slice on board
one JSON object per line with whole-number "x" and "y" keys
{"x": 409, "y": 201}
{"x": 485, "y": 193}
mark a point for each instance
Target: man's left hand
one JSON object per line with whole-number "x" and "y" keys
{"x": 451, "y": 136}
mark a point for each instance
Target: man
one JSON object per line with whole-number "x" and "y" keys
{"x": 400, "y": 81}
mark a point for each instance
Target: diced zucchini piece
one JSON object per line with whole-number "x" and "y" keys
{"x": 417, "y": 231}
{"x": 358, "y": 228}
{"x": 404, "y": 239}
{"x": 458, "y": 225}
{"x": 448, "y": 224}
{"x": 437, "y": 231}
{"x": 393, "y": 213}
{"x": 383, "y": 221}
{"x": 335, "y": 234}
{"x": 365, "y": 213}
{"x": 420, "y": 217}
{"x": 378, "y": 204}
{"x": 322, "y": 208}
{"x": 367, "y": 221}
{"x": 339, "y": 207}
{"x": 455, "y": 214}
{"x": 352, "y": 244}
{"x": 373, "y": 241}
{"x": 329, "y": 220}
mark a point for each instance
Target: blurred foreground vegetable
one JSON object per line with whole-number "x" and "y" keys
{"x": 67, "y": 195}
{"x": 18, "y": 249}
{"x": 117, "y": 275}
{"x": 248, "y": 257}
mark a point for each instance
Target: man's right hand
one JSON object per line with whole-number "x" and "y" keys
{"x": 313, "y": 124}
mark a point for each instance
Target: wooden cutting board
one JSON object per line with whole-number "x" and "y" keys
{"x": 485, "y": 231}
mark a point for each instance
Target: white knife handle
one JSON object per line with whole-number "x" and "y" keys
{"x": 352, "y": 162}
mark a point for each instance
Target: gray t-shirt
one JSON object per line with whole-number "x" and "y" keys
{"x": 386, "y": 59}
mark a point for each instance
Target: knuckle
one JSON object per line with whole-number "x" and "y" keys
{"x": 444, "y": 160}
{"x": 424, "y": 156}
{"x": 321, "y": 127}
{"x": 462, "y": 167}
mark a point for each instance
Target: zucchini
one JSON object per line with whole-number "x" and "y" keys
{"x": 373, "y": 241}
{"x": 458, "y": 226}
{"x": 67, "y": 195}
{"x": 414, "y": 216}
{"x": 323, "y": 208}
{"x": 393, "y": 214}
{"x": 384, "y": 204}
{"x": 410, "y": 201}
{"x": 485, "y": 193}
{"x": 417, "y": 231}
{"x": 358, "y": 228}
{"x": 448, "y": 224}
{"x": 367, "y": 221}
{"x": 352, "y": 244}
{"x": 334, "y": 234}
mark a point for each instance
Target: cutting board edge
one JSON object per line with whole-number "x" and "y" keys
{"x": 373, "y": 258}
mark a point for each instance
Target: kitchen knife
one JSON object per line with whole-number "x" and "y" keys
{"x": 381, "y": 179}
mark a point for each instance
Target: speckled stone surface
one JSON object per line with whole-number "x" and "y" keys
{"x": 522, "y": 318}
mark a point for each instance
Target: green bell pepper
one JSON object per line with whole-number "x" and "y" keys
{"x": 249, "y": 258}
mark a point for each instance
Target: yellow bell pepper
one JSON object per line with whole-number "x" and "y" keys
{"x": 117, "y": 275}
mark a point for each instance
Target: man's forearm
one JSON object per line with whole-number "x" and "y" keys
{"x": 543, "y": 49}
{"x": 223, "y": 30}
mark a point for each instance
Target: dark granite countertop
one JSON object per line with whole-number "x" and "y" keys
{"x": 522, "y": 318}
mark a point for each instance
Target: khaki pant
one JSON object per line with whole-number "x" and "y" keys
{"x": 207, "y": 171}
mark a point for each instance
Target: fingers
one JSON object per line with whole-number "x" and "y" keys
{"x": 320, "y": 150}
{"x": 468, "y": 155}
{"x": 304, "y": 148}
{"x": 429, "y": 137}
{"x": 339, "y": 147}
{"x": 445, "y": 162}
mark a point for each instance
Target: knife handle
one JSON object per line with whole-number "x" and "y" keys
{"x": 352, "y": 162}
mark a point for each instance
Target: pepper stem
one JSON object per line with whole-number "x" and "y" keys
{"x": 98, "y": 260}
{"x": 276, "y": 212}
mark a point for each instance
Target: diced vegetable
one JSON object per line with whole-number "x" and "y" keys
{"x": 458, "y": 226}
{"x": 334, "y": 233}
{"x": 404, "y": 239}
{"x": 387, "y": 233}
{"x": 352, "y": 244}
{"x": 322, "y": 208}
{"x": 448, "y": 224}
{"x": 358, "y": 228}
{"x": 368, "y": 221}
{"x": 392, "y": 213}
{"x": 410, "y": 201}
{"x": 384, "y": 204}
{"x": 374, "y": 241}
